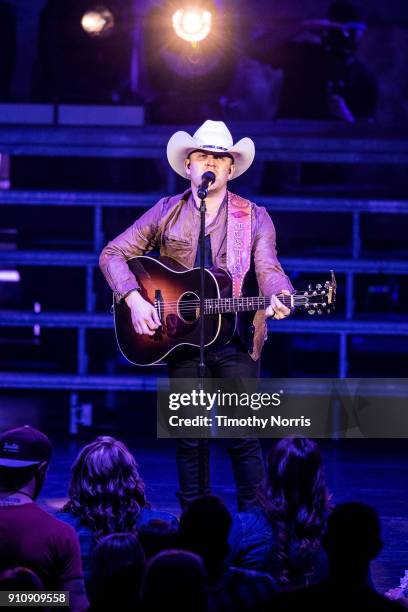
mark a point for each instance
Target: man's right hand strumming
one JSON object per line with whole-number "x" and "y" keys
{"x": 144, "y": 316}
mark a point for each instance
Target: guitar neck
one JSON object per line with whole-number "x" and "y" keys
{"x": 246, "y": 304}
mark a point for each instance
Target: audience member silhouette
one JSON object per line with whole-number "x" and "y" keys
{"x": 283, "y": 535}
{"x": 175, "y": 580}
{"x": 106, "y": 495}
{"x": 117, "y": 568}
{"x": 29, "y": 536}
{"x": 157, "y": 535}
{"x": 20, "y": 579}
{"x": 204, "y": 529}
{"x": 351, "y": 541}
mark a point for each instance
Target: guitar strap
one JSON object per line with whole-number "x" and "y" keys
{"x": 239, "y": 214}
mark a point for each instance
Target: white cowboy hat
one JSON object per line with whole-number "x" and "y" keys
{"x": 212, "y": 136}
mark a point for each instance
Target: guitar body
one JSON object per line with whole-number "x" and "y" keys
{"x": 174, "y": 287}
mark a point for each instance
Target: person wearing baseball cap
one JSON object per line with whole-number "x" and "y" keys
{"x": 23, "y": 447}
{"x": 173, "y": 226}
{"x": 29, "y": 536}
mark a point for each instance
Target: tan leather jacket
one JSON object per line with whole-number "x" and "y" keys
{"x": 173, "y": 226}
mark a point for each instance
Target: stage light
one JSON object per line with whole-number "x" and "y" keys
{"x": 98, "y": 22}
{"x": 192, "y": 24}
{"x": 89, "y": 57}
{"x": 9, "y": 276}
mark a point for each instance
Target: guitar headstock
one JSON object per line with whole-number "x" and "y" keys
{"x": 319, "y": 299}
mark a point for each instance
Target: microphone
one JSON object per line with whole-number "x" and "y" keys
{"x": 207, "y": 179}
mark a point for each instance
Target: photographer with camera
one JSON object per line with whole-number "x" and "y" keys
{"x": 322, "y": 76}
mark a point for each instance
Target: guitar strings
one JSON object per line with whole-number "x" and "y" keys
{"x": 246, "y": 303}
{"x": 213, "y": 308}
{"x": 298, "y": 298}
{"x": 285, "y": 300}
{"x": 193, "y": 305}
{"x": 237, "y": 302}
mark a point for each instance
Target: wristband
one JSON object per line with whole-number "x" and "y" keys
{"x": 124, "y": 296}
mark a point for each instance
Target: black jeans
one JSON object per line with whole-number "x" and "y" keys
{"x": 230, "y": 361}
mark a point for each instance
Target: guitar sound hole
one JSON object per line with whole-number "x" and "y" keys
{"x": 188, "y": 307}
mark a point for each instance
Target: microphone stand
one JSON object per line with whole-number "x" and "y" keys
{"x": 202, "y": 446}
{"x": 202, "y": 192}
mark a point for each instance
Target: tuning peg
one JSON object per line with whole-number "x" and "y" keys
{"x": 320, "y": 311}
{"x": 311, "y": 312}
{"x": 309, "y": 287}
{"x": 318, "y": 286}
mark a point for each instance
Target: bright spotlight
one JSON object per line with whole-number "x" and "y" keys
{"x": 98, "y": 22}
{"x": 192, "y": 25}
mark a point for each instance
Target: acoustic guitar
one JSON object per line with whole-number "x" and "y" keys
{"x": 175, "y": 293}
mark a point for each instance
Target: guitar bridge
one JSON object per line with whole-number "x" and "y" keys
{"x": 159, "y": 304}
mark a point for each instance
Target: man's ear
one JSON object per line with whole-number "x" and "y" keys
{"x": 231, "y": 171}
{"x": 187, "y": 164}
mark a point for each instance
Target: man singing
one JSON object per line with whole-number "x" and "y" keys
{"x": 173, "y": 226}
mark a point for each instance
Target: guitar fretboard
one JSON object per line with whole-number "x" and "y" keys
{"x": 245, "y": 304}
